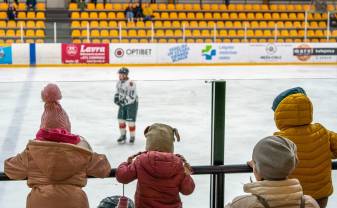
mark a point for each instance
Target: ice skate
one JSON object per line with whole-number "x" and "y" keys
{"x": 121, "y": 139}
{"x": 132, "y": 139}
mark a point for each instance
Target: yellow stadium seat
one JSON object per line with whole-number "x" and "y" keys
{"x": 94, "y": 24}
{"x": 84, "y": 33}
{"x": 171, "y": 40}
{"x": 75, "y": 24}
{"x": 240, "y": 33}
{"x": 108, "y": 6}
{"x": 263, "y": 24}
{"x": 140, "y": 24}
{"x": 141, "y": 33}
{"x": 120, "y": 15}
{"x": 209, "y": 15}
{"x": 103, "y": 24}
{"x": 297, "y": 24}
{"x": 259, "y": 33}
{"x": 267, "y": 16}
{"x": 196, "y": 7}
{"x": 280, "y": 24}
{"x": 30, "y": 33}
{"x": 143, "y": 40}
{"x": 124, "y": 33}
{"x": 237, "y": 24}
{"x": 104, "y": 33}
{"x": 159, "y": 33}
{"x": 73, "y": 6}
{"x": 9, "y": 41}
{"x": 216, "y": 15}
{"x": 215, "y": 7}
{"x": 273, "y": 7}
{"x": 84, "y": 24}
{"x": 256, "y": 24}
{"x": 190, "y": 15}
{"x": 220, "y": 24}
{"x": 75, "y": 15}
{"x": 284, "y": 16}
{"x": 77, "y": 41}
{"x": 18, "y": 33}
{"x": 275, "y": 16}
{"x": 311, "y": 33}
{"x": 176, "y": 24}
{"x": 173, "y": 15}
{"x": 258, "y": 16}
{"x": 242, "y": 15}
{"x": 223, "y": 33}
{"x": 292, "y": 16}
{"x": 313, "y": 24}
{"x": 20, "y": 24}
{"x": 199, "y": 15}
{"x": 179, "y": 7}
{"x": 84, "y": 15}
{"x": 94, "y": 33}
{"x": 3, "y": 6}
{"x": 233, "y": 16}
{"x": 158, "y": 24}
{"x": 206, "y": 7}
{"x": 319, "y": 33}
{"x": 31, "y": 15}
{"x": 132, "y": 33}
{"x": 11, "y": 24}
{"x": 22, "y": 6}
{"x": 96, "y": 41}
{"x": 21, "y": 15}
{"x": 178, "y": 33}
{"x": 317, "y": 16}
{"x": 225, "y": 15}
{"x": 293, "y": 33}
{"x": 203, "y": 24}
{"x": 169, "y": 33}
{"x": 164, "y": 15}
{"x": 188, "y": 33}
{"x": 105, "y": 40}
{"x": 114, "y": 33}
{"x": 100, "y": 6}
{"x": 93, "y": 15}
{"x": 162, "y": 40}
{"x": 262, "y": 40}
{"x": 130, "y": 25}
{"x": 288, "y": 24}
{"x": 267, "y": 33}
{"x": 19, "y": 41}
{"x": 40, "y": 33}
{"x": 85, "y": 41}
{"x": 256, "y": 7}
{"x": 90, "y": 6}
{"x": 194, "y": 24}
{"x": 3, "y": 24}
{"x": 284, "y": 33}
{"x": 182, "y": 15}
{"x": 170, "y": 7}
{"x": 102, "y": 15}
{"x": 300, "y": 16}
{"x": 117, "y": 6}
{"x": 190, "y": 40}
{"x": 111, "y": 15}
{"x": 134, "y": 41}
{"x": 232, "y": 33}
{"x": 40, "y": 15}
{"x": 228, "y": 24}
{"x": 113, "y": 24}
{"x": 322, "y": 24}
{"x": 167, "y": 24}
{"x": 162, "y": 7}
{"x": 205, "y": 33}
{"x": 2, "y": 33}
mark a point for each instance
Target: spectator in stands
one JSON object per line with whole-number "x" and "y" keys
{"x": 153, "y": 1}
{"x": 129, "y": 13}
{"x": 11, "y": 12}
{"x": 148, "y": 12}
{"x": 31, "y": 4}
{"x": 293, "y": 117}
{"x": 57, "y": 162}
{"x": 94, "y": 1}
{"x": 227, "y": 2}
{"x": 16, "y": 4}
{"x": 333, "y": 20}
{"x": 161, "y": 174}
{"x": 138, "y": 11}
{"x": 82, "y": 5}
{"x": 273, "y": 159}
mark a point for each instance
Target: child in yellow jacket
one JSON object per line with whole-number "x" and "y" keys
{"x": 293, "y": 115}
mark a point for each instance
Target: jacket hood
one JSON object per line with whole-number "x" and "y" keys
{"x": 161, "y": 164}
{"x": 293, "y": 110}
{"x": 58, "y": 161}
{"x": 277, "y": 193}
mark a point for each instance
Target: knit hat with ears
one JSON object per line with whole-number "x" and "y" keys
{"x": 53, "y": 116}
{"x": 160, "y": 137}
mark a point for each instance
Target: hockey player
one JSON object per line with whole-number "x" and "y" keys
{"x": 127, "y": 99}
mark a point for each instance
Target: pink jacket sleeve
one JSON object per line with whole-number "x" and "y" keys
{"x": 98, "y": 166}
{"x": 333, "y": 143}
{"x": 126, "y": 172}
{"x": 187, "y": 185}
{"x": 17, "y": 167}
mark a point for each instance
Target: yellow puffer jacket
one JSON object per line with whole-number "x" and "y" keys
{"x": 316, "y": 145}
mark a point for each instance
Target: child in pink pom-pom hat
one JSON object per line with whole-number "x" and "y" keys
{"x": 56, "y": 163}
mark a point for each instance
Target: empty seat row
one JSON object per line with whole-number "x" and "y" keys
{"x": 24, "y": 24}
{"x": 10, "y": 41}
{"x": 18, "y": 33}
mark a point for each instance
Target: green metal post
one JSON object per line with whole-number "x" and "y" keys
{"x": 218, "y": 142}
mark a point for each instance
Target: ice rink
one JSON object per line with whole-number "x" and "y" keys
{"x": 178, "y": 96}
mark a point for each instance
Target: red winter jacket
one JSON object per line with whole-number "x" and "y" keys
{"x": 161, "y": 177}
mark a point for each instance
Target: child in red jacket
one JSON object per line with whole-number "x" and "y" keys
{"x": 161, "y": 174}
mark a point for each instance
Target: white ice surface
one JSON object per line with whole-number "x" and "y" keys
{"x": 178, "y": 96}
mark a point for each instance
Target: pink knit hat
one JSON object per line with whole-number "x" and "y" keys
{"x": 53, "y": 116}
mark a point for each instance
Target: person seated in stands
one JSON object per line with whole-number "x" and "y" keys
{"x": 94, "y": 1}
{"x": 82, "y": 5}
{"x": 148, "y": 12}
{"x": 129, "y": 13}
{"x": 333, "y": 20}
{"x": 11, "y": 12}
{"x": 273, "y": 159}
{"x": 31, "y": 4}
{"x": 138, "y": 11}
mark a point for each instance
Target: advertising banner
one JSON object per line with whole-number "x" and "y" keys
{"x": 314, "y": 52}
{"x": 5, "y": 54}
{"x": 85, "y": 53}
{"x": 133, "y": 53}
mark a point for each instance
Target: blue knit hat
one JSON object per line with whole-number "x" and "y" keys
{"x": 285, "y": 94}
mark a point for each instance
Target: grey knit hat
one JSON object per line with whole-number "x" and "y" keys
{"x": 160, "y": 137}
{"x": 275, "y": 157}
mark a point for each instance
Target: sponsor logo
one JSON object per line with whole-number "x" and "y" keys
{"x": 227, "y": 52}
{"x": 304, "y": 52}
{"x": 140, "y": 52}
{"x": 178, "y": 53}
{"x": 71, "y": 50}
{"x": 271, "y": 53}
{"x": 208, "y": 52}
{"x": 271, "y": 49}
{"x": 119, "y": 52}
{"x": 92, "y": 49}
